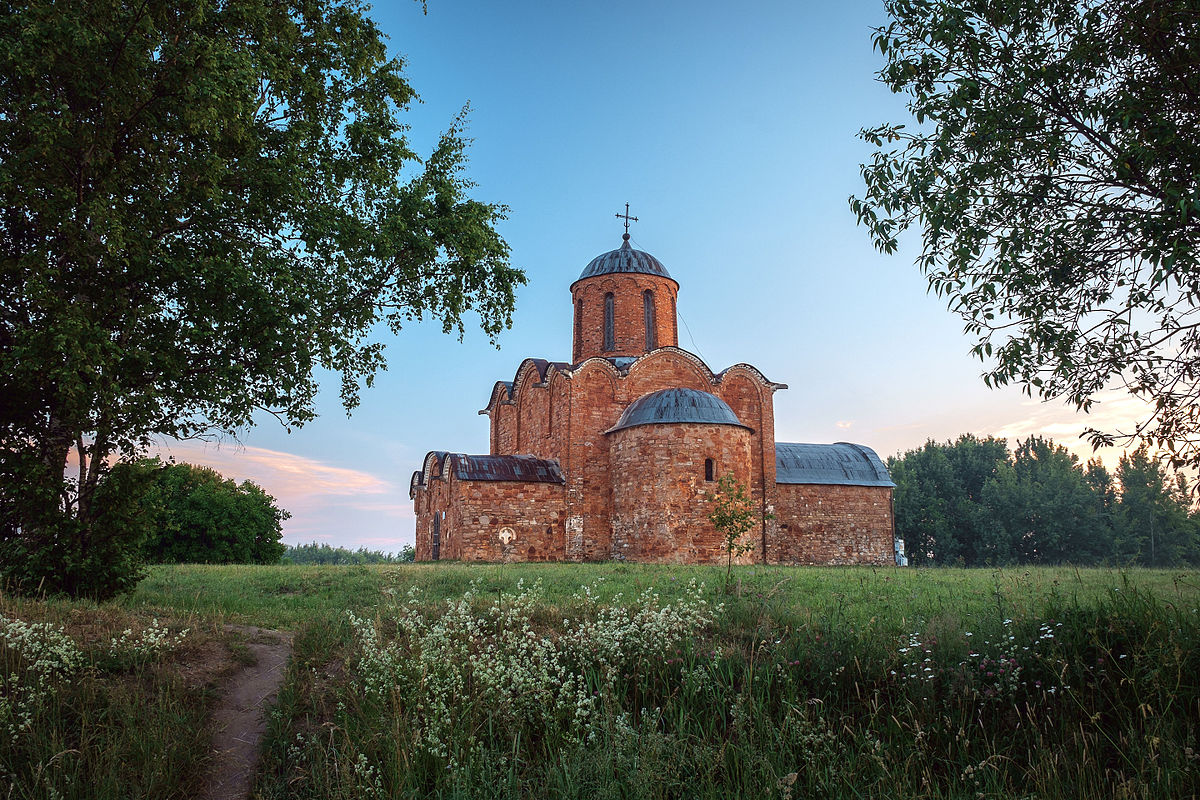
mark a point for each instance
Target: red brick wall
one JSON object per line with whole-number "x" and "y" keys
{"x": 594, "y": 409}
{"x": 433, "y": 498}
{"x": 831, "y": 525}
{"x": 535, "y": 512}
{"x": 754, "y": 404}
{"x": 660, "y": 508}
{"x": 504, "y": 428}
{"x": 477, "y": 511}
{"x": 628, "y": 314}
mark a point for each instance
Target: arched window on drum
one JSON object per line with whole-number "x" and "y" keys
{"x": 648, "y": 314}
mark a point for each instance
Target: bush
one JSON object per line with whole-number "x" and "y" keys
{"x": 198, "y": 516}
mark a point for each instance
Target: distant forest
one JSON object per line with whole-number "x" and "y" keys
{"x": 324, "y": 554}
{"x": 972, "y": 502}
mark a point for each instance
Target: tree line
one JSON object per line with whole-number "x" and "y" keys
{"x": 973, "y": 502}
{"x": 323, "y": 554}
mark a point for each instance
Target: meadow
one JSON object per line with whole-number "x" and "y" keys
{"x": 621, "y": 680}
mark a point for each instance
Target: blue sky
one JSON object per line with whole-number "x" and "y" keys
{"x": 731, "y": 132}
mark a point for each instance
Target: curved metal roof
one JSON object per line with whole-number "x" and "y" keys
{"x": 677, "y": 405}
{"x": 842, "y": 464}
{"x": 624, "y": 259}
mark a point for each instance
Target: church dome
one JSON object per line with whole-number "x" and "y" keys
{"x": 624, "y": 259}
{"x": 677, "y": 405}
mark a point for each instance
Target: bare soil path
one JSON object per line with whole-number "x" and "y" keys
{"x": 240, "y": 718}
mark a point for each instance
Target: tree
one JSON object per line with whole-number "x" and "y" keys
{"x": 939, "y": 500}
{"x": 1054, "y": 170}
{"x": 1048, "y": 510}
{"x": 733, "y": 514}
{"x": 196, "y": 516}
{"x": 323, "y": 554}
{"x": 202, "y": 203}
{"x": 1154, "y": 526}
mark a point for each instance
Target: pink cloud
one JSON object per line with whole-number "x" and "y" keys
{"x": 282, "y": 474}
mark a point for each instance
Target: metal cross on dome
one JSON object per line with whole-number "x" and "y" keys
{"x": 627, "y": 219}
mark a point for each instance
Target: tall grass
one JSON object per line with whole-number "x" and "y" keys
{"x": 804, "y": 683}
{"x": 101, "y": 704}
{"x": 1051, "y": 694}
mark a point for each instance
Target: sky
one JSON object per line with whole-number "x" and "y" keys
{"x": 731, "y": 132}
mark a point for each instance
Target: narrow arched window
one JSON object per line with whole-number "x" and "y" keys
{"x": 578, "y": 327}
{"x": 710, "y": 468}
{"x": 648, "y": 313}
{"x": 609, "y": 337}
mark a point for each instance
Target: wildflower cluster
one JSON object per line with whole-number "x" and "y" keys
{"x": 995, "y": 670}
{"x": 998, "y": 667}
{"x": 916, "y": 657}
{"x": 466, "y": 670}
{"x": 35, "y": 658}
{"x": 152, "y": 642}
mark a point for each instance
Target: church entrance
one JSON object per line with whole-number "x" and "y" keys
{"x": 437, "y": 536}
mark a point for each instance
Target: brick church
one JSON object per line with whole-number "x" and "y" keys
{"x": 611, "y": 455}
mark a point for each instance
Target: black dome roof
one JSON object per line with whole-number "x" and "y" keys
{"x": 677, "y": 405}
{"x": 624, "y": 259}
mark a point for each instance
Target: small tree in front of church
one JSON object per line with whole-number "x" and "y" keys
{"x": 733, "y": 514}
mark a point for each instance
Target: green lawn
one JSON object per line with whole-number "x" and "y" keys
{"x": 288, "y": 596}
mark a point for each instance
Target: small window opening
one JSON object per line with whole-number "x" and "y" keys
{"x": 709, "y": 468}
{"x": 609, "y": 337}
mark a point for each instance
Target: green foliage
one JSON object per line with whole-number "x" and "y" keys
{"x": 1054, "y": 172}
{"x": 203, "y": 205}
{"x": 939, "y": 500}
{"x": 971, "y": 502}
{"x": 733, "y": 514}
{"x": 1154, "y": 522}
{"x": 314, "y": 553}
{"x": 96, "y": 556}
{"x": 196, "y": 516}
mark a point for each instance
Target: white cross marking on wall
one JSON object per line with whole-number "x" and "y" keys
{"x": 507, "y": 535}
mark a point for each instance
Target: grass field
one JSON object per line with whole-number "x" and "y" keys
{"x": 517, "y": 681}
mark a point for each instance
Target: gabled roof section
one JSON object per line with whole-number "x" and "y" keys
{"x": 527, "y": 469}
{"x": 841, "y": 464}
{"x": 622, "y": 365}
{"x": 543, "y": 368}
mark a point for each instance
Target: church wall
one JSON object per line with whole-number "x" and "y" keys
{"x": 664, "y": 369}
{"x": 628, "y": 314}
{"x": 477, "y": 511}
{"x": 754, "y": 405}
{"x": 434, "y": 499}
{"x": 504, "y": 429}
{"x": 593, "y": 409}
{"x": 533, "y": 512}
{"x": 533, "y": 417}
{"x": 817, "y": 524}
{"x": 660, "y": 504}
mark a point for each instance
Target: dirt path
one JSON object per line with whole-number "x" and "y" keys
{"x": 240, "y": 717}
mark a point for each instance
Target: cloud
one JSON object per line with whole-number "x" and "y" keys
{"x": 844, "y": 424}
{"x": 285, "y": 475}
{"x": 1115, "y": 411}
{"x": 341, "y": 506}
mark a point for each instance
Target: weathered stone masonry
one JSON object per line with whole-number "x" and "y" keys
{"x": 613, "y": 455}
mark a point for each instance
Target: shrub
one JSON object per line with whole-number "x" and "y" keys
{"x": 198, "y": 516}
